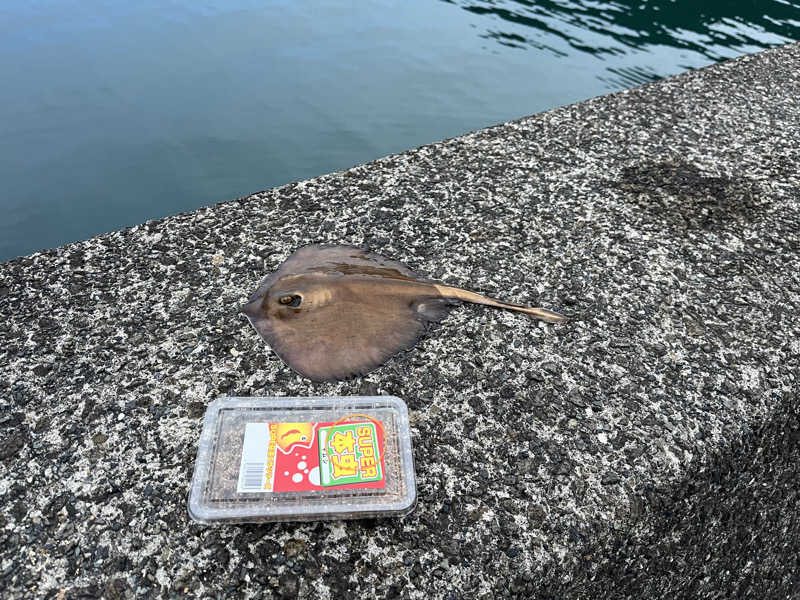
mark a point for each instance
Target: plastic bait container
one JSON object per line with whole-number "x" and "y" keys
{"x": 265, "y": 459}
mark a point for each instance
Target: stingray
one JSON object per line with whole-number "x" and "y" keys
{"x": 334, "y": 312}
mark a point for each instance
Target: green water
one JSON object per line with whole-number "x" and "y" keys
{"x": 115, "y": 112}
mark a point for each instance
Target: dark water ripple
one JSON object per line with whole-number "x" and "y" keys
{"x": 115, "y": 112}
{"x": 714, "y": 30}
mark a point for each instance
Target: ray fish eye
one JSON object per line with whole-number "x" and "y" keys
{"x": 292, "y": 301}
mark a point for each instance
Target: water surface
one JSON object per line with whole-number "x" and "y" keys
{"x": 116, "y": 112}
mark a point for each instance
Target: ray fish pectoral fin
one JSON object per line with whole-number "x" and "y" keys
{"x": 348, "y": 338}
{"x": 343, "y": 260}
{"x": 352, "y": 356}
{"x": 434, "y": 310}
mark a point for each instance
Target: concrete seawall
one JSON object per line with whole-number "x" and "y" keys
{"x": 649, "y": 447}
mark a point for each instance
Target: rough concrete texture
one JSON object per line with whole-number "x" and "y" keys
{"x": 647, "y": 448}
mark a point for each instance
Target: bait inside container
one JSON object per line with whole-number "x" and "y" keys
{"x": 263, "y": 459}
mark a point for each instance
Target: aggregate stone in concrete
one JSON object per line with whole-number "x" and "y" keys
{"x": 728, "y": 529}
{"x": 665, "y": 220}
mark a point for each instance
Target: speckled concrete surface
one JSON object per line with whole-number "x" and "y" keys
{"x": 571, "y": 460}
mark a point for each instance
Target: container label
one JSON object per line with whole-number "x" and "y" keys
{"x": 299, "y": 457}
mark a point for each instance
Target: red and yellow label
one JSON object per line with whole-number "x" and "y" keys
{"x": 295, "y": 457}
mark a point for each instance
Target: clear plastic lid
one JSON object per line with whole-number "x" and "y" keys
{"x": 298, "y": 459}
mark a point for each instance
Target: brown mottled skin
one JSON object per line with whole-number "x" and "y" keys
{"x": 334, "y": 312}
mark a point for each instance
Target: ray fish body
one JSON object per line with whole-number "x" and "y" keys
{"x": 333, "y": 312}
